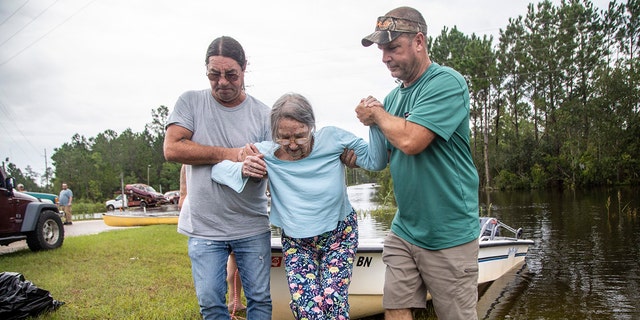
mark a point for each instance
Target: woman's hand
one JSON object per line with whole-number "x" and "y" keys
{"x": 254, "y": 166}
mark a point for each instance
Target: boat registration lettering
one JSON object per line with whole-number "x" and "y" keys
{"x": 512, "y": 251}
{"x": 364, "y": 262}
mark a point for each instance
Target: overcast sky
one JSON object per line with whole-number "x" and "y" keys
{"x": 86, "y": 66}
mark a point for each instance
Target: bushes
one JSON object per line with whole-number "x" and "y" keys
{"x": 84, "y": 207}
{"x": 507, "y": 180}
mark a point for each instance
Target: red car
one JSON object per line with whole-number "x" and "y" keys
{"x": 173, "y": 196}
{"x": 140, "y": 194}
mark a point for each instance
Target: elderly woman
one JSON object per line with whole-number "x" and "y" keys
{"x": 309, "y": 202}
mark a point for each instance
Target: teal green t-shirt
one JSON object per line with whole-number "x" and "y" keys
{"x": 436, "y": 190}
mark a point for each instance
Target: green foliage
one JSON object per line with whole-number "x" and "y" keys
{"x": 384, "y": 194}
{"x": 539, "y": 178}
{"x": 566, "y": 108}
{"x": 85, "y": 207}
{"x": 507, "y": 180}
{"x": 29, "y": 178}
{"x": 170, "y": 176}
{"x": 95, "y": 168}
{"x": 356, "y": 176}
{"x": 384, "y": 215}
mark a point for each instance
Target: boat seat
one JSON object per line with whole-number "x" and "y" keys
{"x": 490, "y": 228}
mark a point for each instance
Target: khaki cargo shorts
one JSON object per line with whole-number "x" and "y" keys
{"x": 450, "y": 276}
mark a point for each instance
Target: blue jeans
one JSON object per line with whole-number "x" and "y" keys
{"x": 209, "y": 269}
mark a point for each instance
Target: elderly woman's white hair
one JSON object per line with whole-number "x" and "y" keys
{"x": 292, "y": 106}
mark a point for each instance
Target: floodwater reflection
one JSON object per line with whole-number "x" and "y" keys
{"x": 585, "y": 263}
{"x": 370, "y": 224}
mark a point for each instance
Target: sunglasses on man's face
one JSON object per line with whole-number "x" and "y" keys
{"x": 230, "y": 76}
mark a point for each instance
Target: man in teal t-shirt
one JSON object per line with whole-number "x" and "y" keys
{"x": 433, "y": 244}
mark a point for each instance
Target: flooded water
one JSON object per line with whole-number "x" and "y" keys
{"x": 585, "y": 263}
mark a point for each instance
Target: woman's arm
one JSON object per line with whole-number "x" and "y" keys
{"x": 372, "y": 155}
{"x": 236, "y": 174}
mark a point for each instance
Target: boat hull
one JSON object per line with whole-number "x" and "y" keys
{"x": 125, "y": 220}
{"x": 495, "y": 258}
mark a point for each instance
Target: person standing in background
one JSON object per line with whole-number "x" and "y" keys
{"x": 64, "y": 201}
{"x": 433, "y": 242}
{"x": 183, "y": 187}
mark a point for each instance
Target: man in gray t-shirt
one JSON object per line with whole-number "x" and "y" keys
{"x": 206, "y": 127}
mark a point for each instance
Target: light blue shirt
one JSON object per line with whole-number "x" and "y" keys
{"x": 65, "y": 197}
{"x": 309, "y": 196}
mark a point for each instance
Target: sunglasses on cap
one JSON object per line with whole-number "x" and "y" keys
{"x": 400, "y": 25}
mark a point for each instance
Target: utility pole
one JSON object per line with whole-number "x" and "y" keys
{"x": 46, "y": 172}
{"x": 148, "y": 167}
{"x": 122, "y": 194}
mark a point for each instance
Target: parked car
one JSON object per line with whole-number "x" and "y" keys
{"x": 137, "y": 194}
{"x": 148, "y": 196}
{"x": 117, "y": 203}
{"x": 46, "y": 197}
{"x": 26, "y": 217}
{"x": 173, "y": 196}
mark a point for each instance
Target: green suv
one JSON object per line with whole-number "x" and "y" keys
{"x": 48, "y": 197}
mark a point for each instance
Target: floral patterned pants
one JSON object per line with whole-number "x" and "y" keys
{"x": 319, "y": 271}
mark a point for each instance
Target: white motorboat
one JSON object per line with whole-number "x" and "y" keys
{"x": 497, "y": 255}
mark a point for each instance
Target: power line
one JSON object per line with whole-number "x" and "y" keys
{"x": 29, "y": 23}
{"x": 8, "y": 115}
{"x": 11, "y": 15}
{"x": 47, "y": 33}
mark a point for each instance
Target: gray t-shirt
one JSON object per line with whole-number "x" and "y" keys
{"x": 215, "y": 211}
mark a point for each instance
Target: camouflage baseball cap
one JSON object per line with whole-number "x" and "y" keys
{"x": 389, "y": 28}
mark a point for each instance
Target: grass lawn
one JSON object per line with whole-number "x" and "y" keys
{"x": 137, "y": 273}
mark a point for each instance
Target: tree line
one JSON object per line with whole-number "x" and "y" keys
{"x": 554, "y": 103}
{"x": 95, "y": 167}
